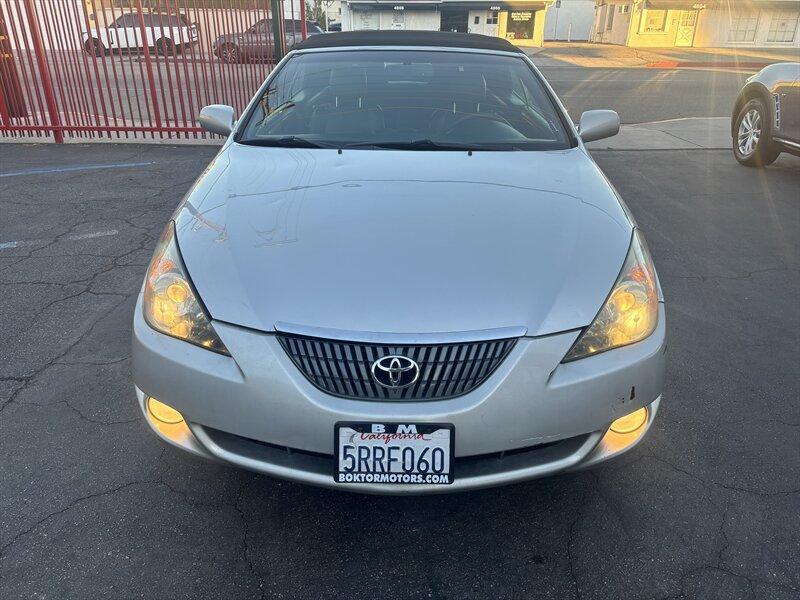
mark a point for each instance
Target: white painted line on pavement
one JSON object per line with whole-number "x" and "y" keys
{"x": 72, "y": 238}
{"x": 679, "y": 119}
{"x": 684, "y": 133}
{"x": 67, "y": 168}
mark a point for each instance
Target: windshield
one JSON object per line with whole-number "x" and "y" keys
{"x": 409, "y": 99}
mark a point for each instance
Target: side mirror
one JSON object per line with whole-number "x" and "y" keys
{"x": 598, "y": 125}
{"x": 217, "y": 118}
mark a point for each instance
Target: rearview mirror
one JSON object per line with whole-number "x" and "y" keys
{"x": 217, "y": 118}
{"x": 598, "y": 124}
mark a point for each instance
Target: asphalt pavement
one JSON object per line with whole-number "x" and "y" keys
{"x": 92, "y": 505}
{"x": 588, "y": 54}
{"x": 642, "y": 95}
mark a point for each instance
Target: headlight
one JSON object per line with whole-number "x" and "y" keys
{"x": 630, "y": 313}
{"x": 171, "y": 305}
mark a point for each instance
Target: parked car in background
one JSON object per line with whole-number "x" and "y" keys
{"x": 424, "y": 284}
{"x": 163, "y": 32}
{"x": 256, "y": 42}
{"x": 766, "y": 117}
{"x": 333, "y": 27}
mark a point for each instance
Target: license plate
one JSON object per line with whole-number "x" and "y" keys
{"x": 394, "y": 453}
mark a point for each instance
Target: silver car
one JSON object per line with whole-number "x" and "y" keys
{"x": 766, "y": 116}
{"x": 403, "y": 273}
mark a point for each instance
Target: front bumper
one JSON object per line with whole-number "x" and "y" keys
{"x": 533, "y": 417}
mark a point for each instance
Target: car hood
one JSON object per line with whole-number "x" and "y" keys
{"x": 403, "y": 241}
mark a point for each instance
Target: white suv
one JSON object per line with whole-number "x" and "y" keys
{"x": 164, "y": 32}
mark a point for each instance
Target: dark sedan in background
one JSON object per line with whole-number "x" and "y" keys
{"x": 766, "y": 117}
{"x": 255, "y": 44}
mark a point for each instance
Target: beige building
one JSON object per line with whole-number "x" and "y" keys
{"x": 692, "y": 23}
{"x": 519, "y": 21}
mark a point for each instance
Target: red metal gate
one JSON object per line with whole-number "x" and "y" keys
{"x": 133, "y": 68}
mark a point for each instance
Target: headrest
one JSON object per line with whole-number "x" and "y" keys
{"x": 499, "y": 82}
{"x": 462, "y": 80}
{"x": 317, "y": 79}
{"x": 348, "y": 79}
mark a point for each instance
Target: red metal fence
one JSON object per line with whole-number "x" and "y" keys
{"x": 134, "y": 68}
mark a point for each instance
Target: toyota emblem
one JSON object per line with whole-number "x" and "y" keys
{"x": 395, "y": 372}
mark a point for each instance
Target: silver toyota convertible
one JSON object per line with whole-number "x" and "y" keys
{"x": 403, "y": 273}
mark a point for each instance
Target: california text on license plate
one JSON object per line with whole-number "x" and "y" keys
{"x": 397, "y": 453}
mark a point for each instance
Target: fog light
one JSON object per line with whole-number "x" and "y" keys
{"x": 163, "y": 412}
{"x": 630, "y": 422}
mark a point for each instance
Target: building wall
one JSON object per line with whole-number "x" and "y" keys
{"x": 537, "y": 39}
{"x": 538, "y": 30}
{"x": 571, "y": 20}
{"x": 639, "y": 37}
{"x": 423, "y": 20}
{"x": 420, "y": 20}
{"x": 740, "y": 26}
{"x": 714, "y": 28}
{"x": 617, "y": 32}
{"x": 483, "y": 26}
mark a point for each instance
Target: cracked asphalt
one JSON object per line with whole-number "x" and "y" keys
{"x": 92, "y": 505}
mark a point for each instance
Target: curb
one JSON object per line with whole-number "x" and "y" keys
{"x": 675, "y": 64}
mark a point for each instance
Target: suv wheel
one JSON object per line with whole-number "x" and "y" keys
{"x": 229, "y": 53}
{"x": 94, "y": 47}
{"x": 752, "y": 143}
{"x": 164, "y": 46}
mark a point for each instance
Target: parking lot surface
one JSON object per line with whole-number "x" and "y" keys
{"x": 92, "y": 505}
{"x": 669, "y": 93}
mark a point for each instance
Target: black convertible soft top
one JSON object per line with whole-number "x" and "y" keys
{"x": 442, "y": 39}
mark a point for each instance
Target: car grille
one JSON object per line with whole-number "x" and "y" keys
{"x": 445, "y": 370}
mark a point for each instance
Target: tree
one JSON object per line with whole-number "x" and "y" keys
{"x": 317, "y": 10}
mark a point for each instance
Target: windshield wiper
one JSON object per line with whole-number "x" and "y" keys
{"x": 290, "y": 141}
{"x": 423, "y": 144}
